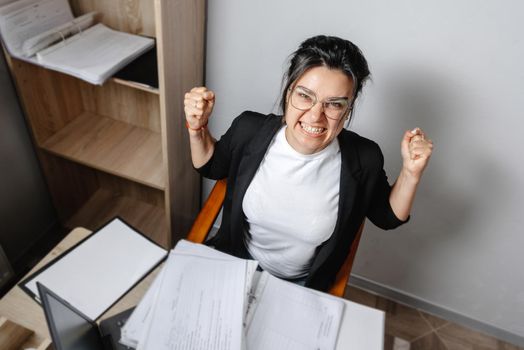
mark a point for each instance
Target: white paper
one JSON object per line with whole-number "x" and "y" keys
{"x": 199, "y": 306}
{"x": 135, "y": 329}
{"x": 362, "y": 328}
{"x": 39, "y": 42}
{"x": 23, "y": 19}
{"x": 186, "y": 247}
{"x": 95, "y": 54}
{"x": 101, "y": 269}
{"x": 291, "y": 317}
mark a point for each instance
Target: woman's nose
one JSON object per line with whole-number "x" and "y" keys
{"x": 317, "y": 111}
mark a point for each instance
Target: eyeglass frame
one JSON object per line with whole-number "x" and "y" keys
{"x": 315, "y": 101}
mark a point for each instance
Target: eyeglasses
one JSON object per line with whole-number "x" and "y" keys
{"x": 304, "y": 99}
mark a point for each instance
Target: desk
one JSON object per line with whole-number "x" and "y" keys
{"x": 362, "y": 327}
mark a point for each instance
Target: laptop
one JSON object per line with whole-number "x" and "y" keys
{"x": 72, "y": 330}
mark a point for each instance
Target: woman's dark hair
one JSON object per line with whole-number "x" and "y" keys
{"x": 331, "y": 52}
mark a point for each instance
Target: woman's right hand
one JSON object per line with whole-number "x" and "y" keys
{"x": 198, "y": 105}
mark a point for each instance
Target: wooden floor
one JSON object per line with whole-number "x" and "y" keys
{"x": 411, "y": 329}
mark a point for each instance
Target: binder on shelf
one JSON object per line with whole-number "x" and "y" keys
{"x": 143, "y": 71}
{"x": 45, "y": 33}
{"x": 206, "y": 299}
{"x": 95, "y": 273}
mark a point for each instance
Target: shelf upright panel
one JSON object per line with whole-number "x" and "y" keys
{"x": 180, "y": 29}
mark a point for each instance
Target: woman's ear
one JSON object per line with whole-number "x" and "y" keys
{"x": 348, "y": 113}
{"x": 347, "y": 118}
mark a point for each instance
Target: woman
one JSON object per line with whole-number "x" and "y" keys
{"x": 300, "y": 185}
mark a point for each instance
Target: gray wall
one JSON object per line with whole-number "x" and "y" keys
{"x": 26, "y": 212}
{"x": 453, "y": 68}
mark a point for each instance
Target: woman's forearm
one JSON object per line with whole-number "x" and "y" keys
{"x": 416, "y": 150}
{"x": 402, "y": 195}
{"x": 198, "y": 105}
{"x": 202, "y": 146}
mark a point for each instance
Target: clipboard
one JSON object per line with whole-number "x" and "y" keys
{"x": 96, "y": 272}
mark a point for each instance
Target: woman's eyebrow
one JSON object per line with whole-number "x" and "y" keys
{"x": 306, "y": 89}
{"x": 327, "y": 99}
{"x": 337, "y": 98}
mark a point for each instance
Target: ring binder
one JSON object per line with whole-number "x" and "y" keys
{"x": 53, "y": 38}
{"x": 275, "y": 312}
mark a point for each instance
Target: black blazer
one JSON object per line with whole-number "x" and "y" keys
{"x": 364, "y": 190}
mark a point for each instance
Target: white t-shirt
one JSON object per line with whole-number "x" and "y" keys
{"x": 291, "y": 206}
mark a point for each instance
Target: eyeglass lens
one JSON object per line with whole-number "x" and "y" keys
{"x": 305, "y": 100}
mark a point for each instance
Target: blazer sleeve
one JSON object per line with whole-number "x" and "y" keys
{"x": 217, "y": 167}
{"x": 379, "y": 211}
{"x": 219, "y": 164}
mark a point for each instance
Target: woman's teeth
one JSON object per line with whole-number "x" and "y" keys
{"x": 310, "y": 129}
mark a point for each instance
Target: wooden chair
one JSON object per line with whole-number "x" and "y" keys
{"x": 209, "y": 213}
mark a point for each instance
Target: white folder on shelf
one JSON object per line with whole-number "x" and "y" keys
{"x": 94, "y": 54}
{"x": 45, "y": 33}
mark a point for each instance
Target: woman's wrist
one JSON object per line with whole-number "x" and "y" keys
{"x": 407, "y": 177}
{"x": 197, "y": 134}
{"x": 188, "y": 127}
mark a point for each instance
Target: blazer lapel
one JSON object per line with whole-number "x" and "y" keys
{"x": 248, "y": 166}
{"x": 350, "y": 175}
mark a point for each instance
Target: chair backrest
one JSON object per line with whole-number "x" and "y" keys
{"x": 209, "y": 212}
{"x": 341, "y": 281}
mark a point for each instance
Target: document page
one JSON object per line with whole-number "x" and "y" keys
{"x": 199, "y": 305}
{"x": 135, "y": 329}
{"x": 98, "y": 271}
{"x": 189, "y": 248}
{"x": 78, "y": 48}
{"x": 95, "y": 54}
{"x": 287, "y": 316}
{"x": 44, "y": 39}
{"x": 362, "y": 327}
{"x": 24, "y": 19}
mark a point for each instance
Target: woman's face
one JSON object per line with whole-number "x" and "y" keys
{"x": 310, "y": 131}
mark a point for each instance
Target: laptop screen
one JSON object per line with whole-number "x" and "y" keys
{"x": 69, "y": 329}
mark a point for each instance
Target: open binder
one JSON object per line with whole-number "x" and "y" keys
{"x": 95, "y": 273}
{"x": 205, "y": 299}
{"x": 45, "y": 32}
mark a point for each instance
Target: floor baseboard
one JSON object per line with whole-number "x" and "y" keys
{"x": 450, "y": 315}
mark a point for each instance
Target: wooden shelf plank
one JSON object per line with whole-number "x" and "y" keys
{"x": 112, "y": 146}
{"x": 105, "y": 205}
{"x": 136, "y": 85}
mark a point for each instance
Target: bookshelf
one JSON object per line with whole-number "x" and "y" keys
{"x": 122, "y": 148}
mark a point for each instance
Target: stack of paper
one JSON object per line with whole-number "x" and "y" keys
{"x": 22, "y": 20}
{"x": 204, "y": 299}
{"x": 36, "y": 43}
{"x": 44, "y": 32}
{"x": 197, "y": 301}
{"x": 288, "y": 316}
{"x": 94, "y": 54}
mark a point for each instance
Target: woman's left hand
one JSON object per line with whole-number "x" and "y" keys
{"x": 416, "y": 150}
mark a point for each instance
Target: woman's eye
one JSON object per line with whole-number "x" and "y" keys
{"x": 304, "y": 96}
{"x": 335, "y": 105}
